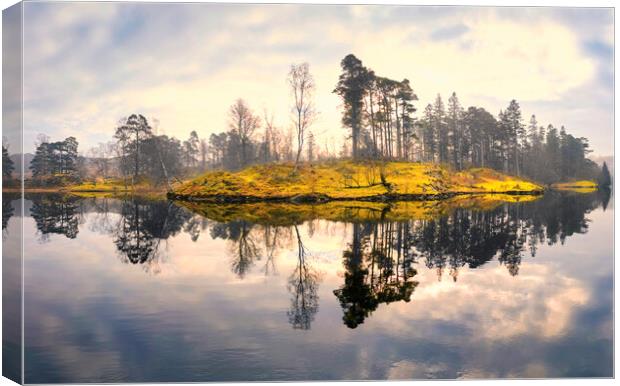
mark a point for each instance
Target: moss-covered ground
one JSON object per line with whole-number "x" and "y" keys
{"x": 347, "y": 180}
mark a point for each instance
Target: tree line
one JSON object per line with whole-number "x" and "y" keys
{"x": 55, "y": 159}
{"x": 138, "y": 153}
{"x": 243, "y": 145}
{"x": 378, "y": 112}
{"x": 8, "y": 166}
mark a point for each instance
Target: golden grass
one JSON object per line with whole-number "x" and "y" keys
{"x": 583, "y": 186}
{"x": 351, "y": 180}
{"x": 99, "y": 187}
{"x": 490, "y": 181}
{"x": 114, "y": 188}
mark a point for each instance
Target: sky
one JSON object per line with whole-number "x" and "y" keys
{"x": 87, "y": 65}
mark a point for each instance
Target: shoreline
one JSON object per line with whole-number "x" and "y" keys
{"x": 319, "y": 199}
{"x": 102, "y": 192}
{"x": 293, "y": 199}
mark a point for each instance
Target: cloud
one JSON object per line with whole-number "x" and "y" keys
{"x": 449, "y": 32}
{"x": 405, "y": 370}
{"x": 89, "y": 64}
{"x": 600, "y": 48}
{"x": 494, "y": 57}
{"x": 487, "y": 324}
{"x": 530, "y": 305}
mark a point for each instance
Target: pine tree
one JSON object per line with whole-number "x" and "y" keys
{"x": 7, "y": 164}
{"x": 191, "y": 149}
{"x": 604, "y": 179}
{"x": 406, "y": 96}
{"x": 503, "y": 142}
{"x": 441, "y": 129}
{"x": 130, "y": 134}
{"x": 516, "y": 134}
{"x": 455, "y": 135}
{"x": 429, "y": 141}
{"x": 41, "y": 163}
{"x": 352, "y": 87}
{"x": 553, "y": 161}
{"x": 69, "y": 155}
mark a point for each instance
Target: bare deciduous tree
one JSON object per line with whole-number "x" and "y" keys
{"x": 101, "y": 157}
{"x": 244, "y": 123}
{"x": 302, "y": 87}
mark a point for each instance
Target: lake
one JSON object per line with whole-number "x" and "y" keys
{"x": 150, "y": 290}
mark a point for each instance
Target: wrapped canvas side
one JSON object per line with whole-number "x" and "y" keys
{"x": 12, "y": 195}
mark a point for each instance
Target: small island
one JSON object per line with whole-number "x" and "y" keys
{"x": 390, "y": 150}
{"x": 347, "y": 180}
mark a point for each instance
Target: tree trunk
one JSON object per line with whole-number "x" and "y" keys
{"x": 372, "y": 125}
{"x": 355, "y": 133}
{"x": 135, "y": 174}
{"x": 399, "y": 152}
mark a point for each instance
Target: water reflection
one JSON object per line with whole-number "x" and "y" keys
{"x": 7, "y": 209}
{"x": 472, "y": 238}
{"x": 303, "y": 285}
{"x": 369, "y": 269}
{"x": 244, "y": 248}
{"x": 380, "y": 258}
{"x": 142, "y": 226}
{"x": 379, "y": 270}
{"x": 56, "y": 214}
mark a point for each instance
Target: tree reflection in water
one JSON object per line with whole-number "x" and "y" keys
{"x": 472, "y": 238}
{"x": 137, "y": 225}
{"x": 244, "y": 248}
{"x": 303, "y": 285}
{"x": 56, "y": 214}
{"x": 378, "y": 261}
{"x": 274, "y": 237}
{"x": 378, "y": 268}
{"x": 8, "y": 210}
{"x": 605, "y": 194}
{"x": 465, "y": 237}
{"x": 141, "y": 228}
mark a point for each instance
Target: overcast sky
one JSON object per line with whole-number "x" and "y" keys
{"x": 86, "y": 65}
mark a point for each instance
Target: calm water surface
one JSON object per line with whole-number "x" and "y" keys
{"x": 139, "y": 290}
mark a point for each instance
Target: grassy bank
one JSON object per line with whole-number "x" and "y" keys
{"x": 98, "y": 188}
{"x": 115, "y": 188}
{"x": 583, "y": 186}
{"x": 347, "y": 180}
{"x": 113, "y": 185}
